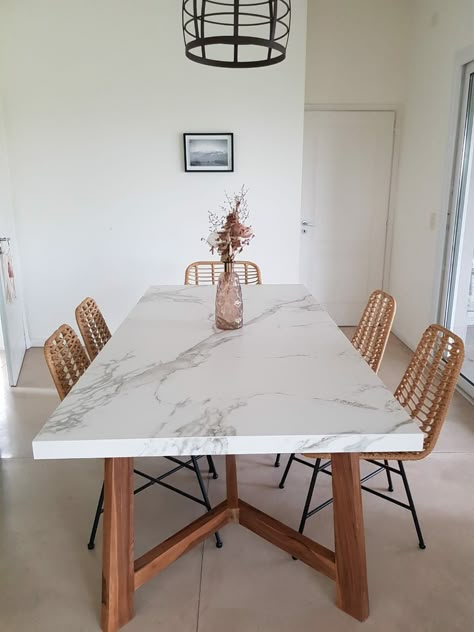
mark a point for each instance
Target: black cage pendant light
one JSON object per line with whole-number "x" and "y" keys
{"x": 236, "y": 33}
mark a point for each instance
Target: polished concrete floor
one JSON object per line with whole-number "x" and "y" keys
{"x": 50, "y": 582}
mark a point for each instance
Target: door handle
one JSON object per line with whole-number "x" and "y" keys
{"x": 305, "y": 223}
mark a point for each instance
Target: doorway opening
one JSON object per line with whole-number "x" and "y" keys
{"x": 346, "y": 187}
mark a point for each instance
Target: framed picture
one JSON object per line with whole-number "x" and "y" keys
{"x": 209, "y": 152}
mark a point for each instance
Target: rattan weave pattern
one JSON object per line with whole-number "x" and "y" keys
{"x": 428, "y": 385}
{"x": 66, "y": 359}
{"x": 426, "y": 389}
{"x": 92, "y": 326}
{"x": 371, "y": 336}
{"x": 208, "y": 272}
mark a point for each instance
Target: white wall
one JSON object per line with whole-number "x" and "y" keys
{"x": 388, "y": 52}
{"x": 357, "y": 57}
{"x": 440, "y": 29}
{"x": 357, "y": 51}
{"x": 97, "y": 95}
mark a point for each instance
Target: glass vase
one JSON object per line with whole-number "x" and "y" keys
{"x": 229, "y": 306}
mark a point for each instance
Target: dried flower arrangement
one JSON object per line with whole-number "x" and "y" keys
{"x": 229, "y": 235}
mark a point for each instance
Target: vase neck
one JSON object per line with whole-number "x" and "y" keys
{"x": 228, "y": 266}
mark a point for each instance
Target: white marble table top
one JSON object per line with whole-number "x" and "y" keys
{"x": 169, "y": 383}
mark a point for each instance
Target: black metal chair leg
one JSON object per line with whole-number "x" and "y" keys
{"x": 389, "y": 477}
{"x": 95, "y": 524}
{"x": 205, "y": 496}
{"x": 287, "y": 469}
{"x": 309, "y": 496}
{"x": 212, "y": 467}
{"x": 277, "y": 461}
{"x": 421, "y": 542}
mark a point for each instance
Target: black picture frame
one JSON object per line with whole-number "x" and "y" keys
{"x": 208, "y": 152}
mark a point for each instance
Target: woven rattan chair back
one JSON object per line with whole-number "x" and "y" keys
{"x": 371, "y": 336}
{"x": 66, "y": 359}
{"x": 208, "y": 272}
{"x": 428, "y": 385}
{"x": 92, "y": 326}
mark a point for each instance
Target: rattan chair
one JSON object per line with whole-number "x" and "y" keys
{"x": 92, "y": 326}
{"x": 67, "y": 361}
{"x": 371, "y": 335}
{"x": 425, "y": 391}
{"x": 208, "y": 272}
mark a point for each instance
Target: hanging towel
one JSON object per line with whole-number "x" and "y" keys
{"x": 8, "y": 277}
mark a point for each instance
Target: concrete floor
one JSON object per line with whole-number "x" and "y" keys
{"x": 50, "y": 582}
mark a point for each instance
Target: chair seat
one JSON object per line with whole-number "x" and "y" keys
{"x": 374, "y": 456}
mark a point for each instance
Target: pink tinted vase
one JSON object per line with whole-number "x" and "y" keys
{"x": 229, "y": 306}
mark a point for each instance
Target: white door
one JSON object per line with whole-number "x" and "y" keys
{"x": 11, "y": 308}
{"x": 347, "y": 169}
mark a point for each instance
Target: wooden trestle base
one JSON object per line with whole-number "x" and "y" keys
{"x": 121, "y": 575}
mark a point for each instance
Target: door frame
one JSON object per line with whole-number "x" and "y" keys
{"x": 397, "y": 110}
{"x": 463, "y": 58}
{"x": 16, "y": 257}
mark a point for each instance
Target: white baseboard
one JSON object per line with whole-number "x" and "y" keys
{"x": 402, "y": 338}
{"x": 36, "y": 342}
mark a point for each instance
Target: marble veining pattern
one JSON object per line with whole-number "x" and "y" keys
{"x": 170, "y": 383}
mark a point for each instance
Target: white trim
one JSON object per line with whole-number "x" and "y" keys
{"x": 354, "y": 107}
{"x": 392, "y": 204}
{"x": 36, "y": 342}
{"x": 465, "y": 390}
{"x": 397, "y": 109}
{"x": 411, "y": 346}
{"x": 462, "y": 59}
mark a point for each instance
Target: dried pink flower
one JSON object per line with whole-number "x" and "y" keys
{"x": 229, "y": 235}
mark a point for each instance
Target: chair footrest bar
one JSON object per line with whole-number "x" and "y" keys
{"x": 158, "y": 481}
{"x": 392, "y": 500}
{"x": 367, "y": 489}
{"x": 182, "y": 464}
{"x": 383, "y": 466}
{"x": 162, "y": 476}
{"x": 310, "y": 463}
{"x": 320, "y": 507}
{"x": 143, "y": 487}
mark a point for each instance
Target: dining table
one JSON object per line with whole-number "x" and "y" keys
{"x": 169, "y": 383}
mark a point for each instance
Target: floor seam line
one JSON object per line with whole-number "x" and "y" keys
{"x": 202, "y": 568}
{"x": 200, "y": 587}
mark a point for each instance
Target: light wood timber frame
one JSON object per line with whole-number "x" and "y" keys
{"x": 122, "y": 575}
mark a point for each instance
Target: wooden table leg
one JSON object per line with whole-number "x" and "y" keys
{"x": 117, "y": 566}
{"x": 351, "y": 567}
